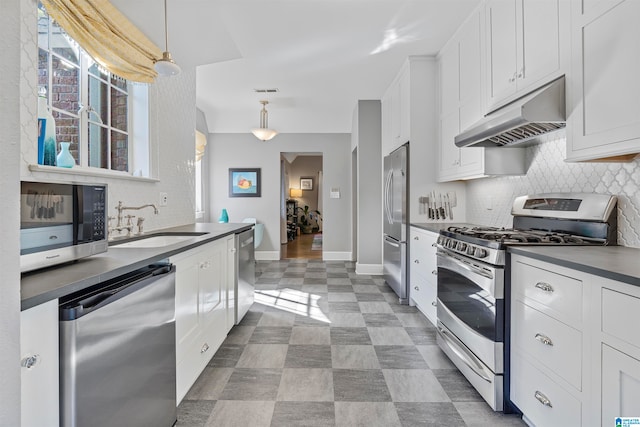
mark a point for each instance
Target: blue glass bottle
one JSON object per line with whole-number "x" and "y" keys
{"x": 224, "y": 216}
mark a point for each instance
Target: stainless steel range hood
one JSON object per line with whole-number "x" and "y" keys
{"x": 522, "y": 121}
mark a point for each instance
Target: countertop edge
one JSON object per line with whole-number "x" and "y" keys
{"x": 145, "y": 257}
{"x": 576, "y": 265}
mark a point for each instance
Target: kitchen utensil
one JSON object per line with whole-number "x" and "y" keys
{"x": 52, "y": 212}
{"x": 435, "y": 206}
{"x": 441, "y": 207}
{"x": 448, "y": 204}
{"x": 31, "y": 201}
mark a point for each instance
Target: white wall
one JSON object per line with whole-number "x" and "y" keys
{"x": 489, "y": 200}
{"x": 244, "y": 150}
{"x": 10, "y": 112}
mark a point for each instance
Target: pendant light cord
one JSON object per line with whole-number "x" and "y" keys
{"x": 166, "y": 29}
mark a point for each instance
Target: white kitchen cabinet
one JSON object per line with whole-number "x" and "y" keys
{"x": 527, "y": 46}
{"x": 605, "y": 113}
{"x": 203, "y": 281}
{"x": 549, "y": 376}
{"x": 423, "y": 271}
{"x": 460, "y": 71}
{"x": 587, "y": 361}
{"x": 40, "y": 365}
{"x": 395, "y": 111}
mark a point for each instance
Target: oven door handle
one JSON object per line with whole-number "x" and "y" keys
{"x": 466, "y": 266}
{"x": 463, "y": 354}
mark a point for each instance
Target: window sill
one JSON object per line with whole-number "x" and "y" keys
{"x": 77, "y": 170}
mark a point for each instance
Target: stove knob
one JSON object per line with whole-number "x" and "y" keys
{"x": 441, "y": 240}
{"x": 451, "y": 244}
{"x": 470, "y": 250}
{"x": 480, "y": 253}
{"x": 462, "y": 247}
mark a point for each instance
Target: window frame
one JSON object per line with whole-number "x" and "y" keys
{"x": 138, "y": 141}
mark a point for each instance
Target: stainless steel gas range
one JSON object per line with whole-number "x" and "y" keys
{"x": 473, "y": 290}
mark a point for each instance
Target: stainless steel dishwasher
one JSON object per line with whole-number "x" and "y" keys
{"x": 245, "y": 274}
{"x": 117, "y": 352}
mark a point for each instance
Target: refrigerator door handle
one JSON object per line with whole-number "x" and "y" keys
{"x": 387, "y": 196}
{"x": 391, "y": 242}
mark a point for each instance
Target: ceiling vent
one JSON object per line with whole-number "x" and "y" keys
{"x": 266, "y": 90}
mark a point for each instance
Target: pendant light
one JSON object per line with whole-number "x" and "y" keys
{"x": 166, "y": 66}
{"x": 263, "y": 133}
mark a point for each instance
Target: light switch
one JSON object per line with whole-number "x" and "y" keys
{"x": 335, "y": 193}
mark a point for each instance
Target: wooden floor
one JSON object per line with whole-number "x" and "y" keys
{"x": 301, "y": 248}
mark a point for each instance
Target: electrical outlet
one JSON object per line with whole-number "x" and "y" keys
{"x": 164, "y": 198}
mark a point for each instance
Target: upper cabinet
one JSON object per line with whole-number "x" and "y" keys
{"x": 605, "y": 88}
{"x": 526, "y": 46}
{"x": 460, "y": 73}
{"x": 395, "y": 112}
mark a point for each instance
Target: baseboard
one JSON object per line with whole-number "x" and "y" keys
{"x": 370, "y": 269}
{"x": 267, "y": 255}
{"x": 336, "y": 256}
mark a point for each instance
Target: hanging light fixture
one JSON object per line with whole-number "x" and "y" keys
{"x": 166, "y": 66}
{"x": 263, "y": 133}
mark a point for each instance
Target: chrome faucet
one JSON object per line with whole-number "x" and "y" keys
{"x": 129, "y": 226}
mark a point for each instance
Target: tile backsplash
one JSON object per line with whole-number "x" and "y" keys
{"x": 489, "y": 200}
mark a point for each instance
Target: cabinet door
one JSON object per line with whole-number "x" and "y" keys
{"x": 386, "y": 124}
{"x": 448, "y": 68}
{"x": 620, "y": 385}
{"x": 540, "y": 32}
{"x": 502, "y": 50}
{"x": 606, "y": 88}
{"x": 39, "y": 350}
{"x": 187, "y": 319}
{"x": 470, "y": 85}
{"x": 449, "y": 153}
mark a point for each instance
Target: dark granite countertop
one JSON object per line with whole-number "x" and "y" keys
{"x": 44, "y": 285}
{"x": 612, "y": 262}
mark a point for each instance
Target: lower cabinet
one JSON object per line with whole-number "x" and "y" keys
{"x": 204, "y": 280}
{"x": 575, "y": 351}
{"x": 40, "y": 368}
{"x": 423, "y": 270}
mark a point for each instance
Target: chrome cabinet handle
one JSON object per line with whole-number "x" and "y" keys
{"x": 434, "y": 272}
{"x": 30, "y": 361}
{"x": 544, "y": 339}
{"x": 416, "y": 288}
{"x": 544, "y": 286}
{"x": 204, "y": 348}
{"x": 543, "y": 399}
{"x": 416, "y": 238}
{"x": 435, "y": 245}
{"x": 416, "y": 261}
{"x": 434, "y": 303}
{"x": 520, "y": 73}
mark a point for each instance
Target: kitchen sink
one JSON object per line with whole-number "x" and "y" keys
{"x": 157, "y": 240}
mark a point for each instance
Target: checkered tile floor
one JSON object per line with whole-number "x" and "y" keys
{"x": 323, "y": 346}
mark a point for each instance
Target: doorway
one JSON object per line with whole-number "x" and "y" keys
{"x": 301, "y": 206}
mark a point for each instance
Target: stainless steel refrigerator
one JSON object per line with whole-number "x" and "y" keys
{"x": 396, "y": 221}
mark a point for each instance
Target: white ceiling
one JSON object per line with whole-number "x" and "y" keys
{"x": 322, "y": 55}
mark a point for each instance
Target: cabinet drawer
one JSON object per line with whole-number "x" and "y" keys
{"x": 554, "y": 344}
{"x": 530, "y": 388}
{"x": 560, "y": 295}
{"x": 422, "y": 252}
{"x": 424, "y": 293}
{"x": 619, "y": 314}
{"x": 620, "y": 385}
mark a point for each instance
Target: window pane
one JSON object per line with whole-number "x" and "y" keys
{"x": 43, "y": 70}
{"x": 118, "y": 82}
{"x": 119, "y": 151}
{"x": 98, "y": 145}
{"x": 43, "y": 28}
{"x": 62, "y": 44}
{"x": 65, "y": 91}
{"x": 98, "y": 100}
{"x": 97, "y": 71}
{"x": 119, "y": 110}
{"x": 68, "y": 130}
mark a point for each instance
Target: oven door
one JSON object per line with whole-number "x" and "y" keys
{"x": 471, "y": 305}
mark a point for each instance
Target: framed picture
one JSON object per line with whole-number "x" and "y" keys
{"x": 306, "y": 183}
{"x": 244, "y": 182}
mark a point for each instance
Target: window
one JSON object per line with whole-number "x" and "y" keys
{"x": 93, "y": 109}
{"x": 201, "y": 143}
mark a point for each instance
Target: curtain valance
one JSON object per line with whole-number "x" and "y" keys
{"x": 108, "y": 36}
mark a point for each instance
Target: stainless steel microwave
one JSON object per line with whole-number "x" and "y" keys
{"x": 61, "y": 222}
